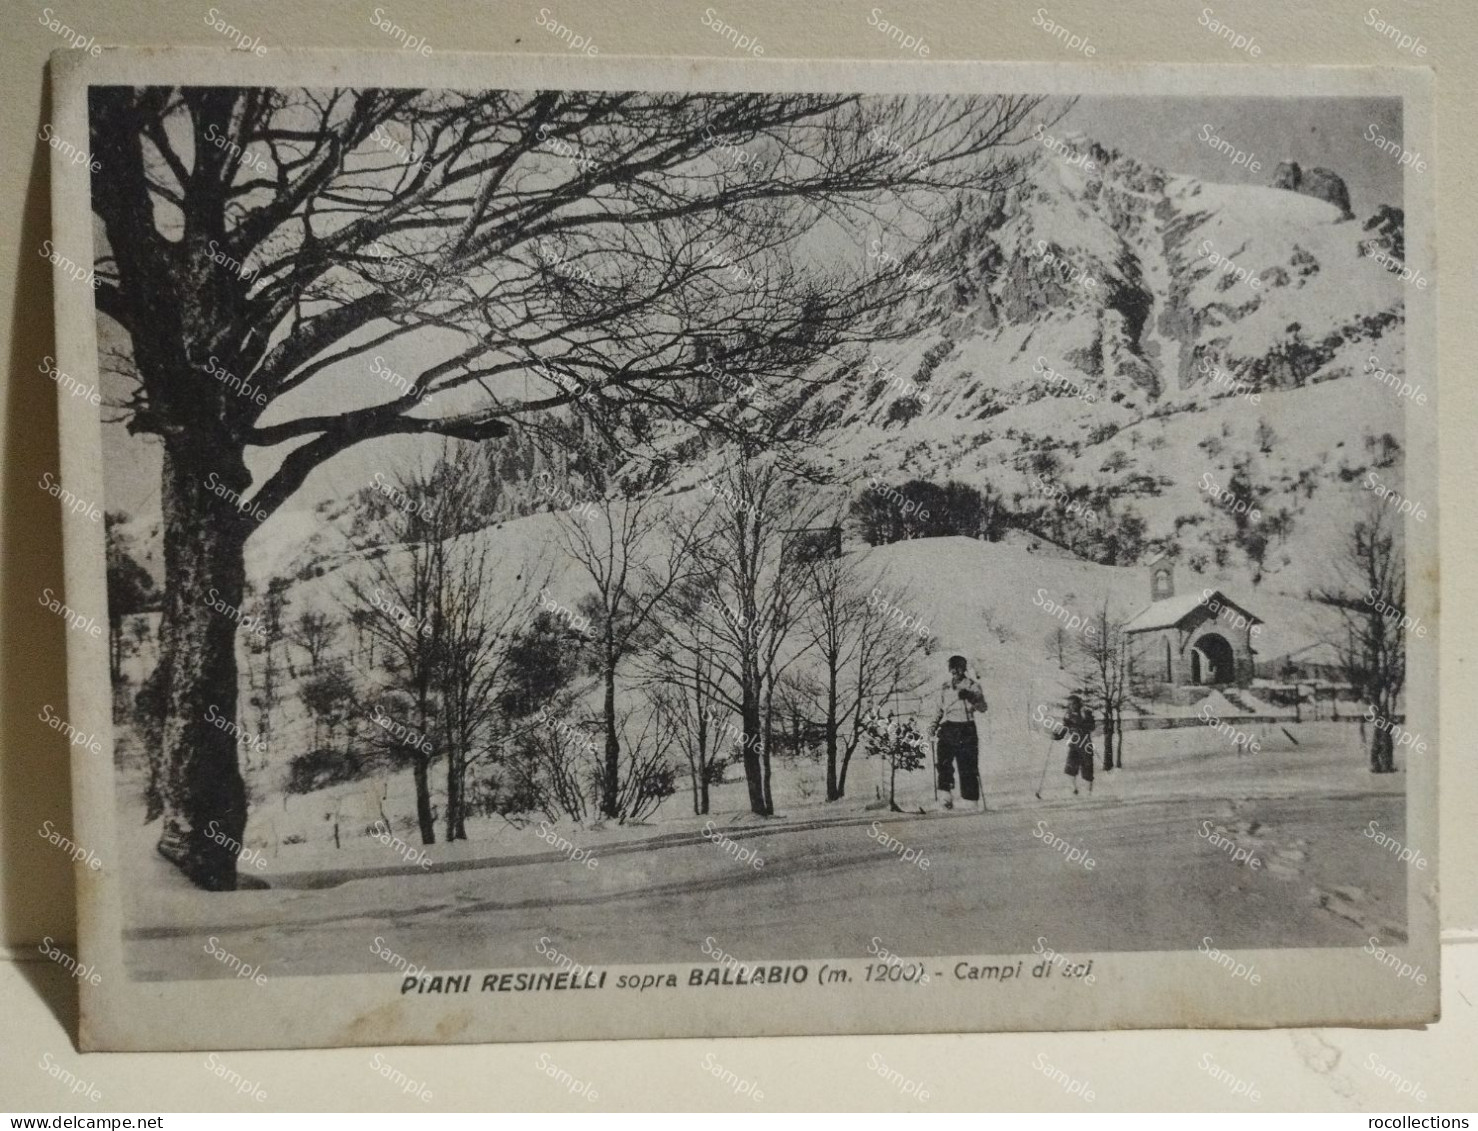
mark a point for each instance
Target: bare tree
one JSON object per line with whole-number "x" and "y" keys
{"x": 1369, "y": 595}
{"x": 747, "y": 602}
{"x": 636, "y": 555}
{"x": 1103, "y": 668}
{"x": 866, "y": 656}
{"x": 681, "y": 674}
{"x": 500, "y": 258}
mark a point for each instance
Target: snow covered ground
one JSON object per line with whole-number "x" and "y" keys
{"x": 1162, "y": 879}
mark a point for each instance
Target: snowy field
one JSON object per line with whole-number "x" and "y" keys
{"x": 1162, "y": 832}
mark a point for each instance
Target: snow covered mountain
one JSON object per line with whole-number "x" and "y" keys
{"x": 1115, "y": 333}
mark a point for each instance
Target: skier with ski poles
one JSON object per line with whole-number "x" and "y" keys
{"x": 956, "y": 738}
{"x": 1077, "y": 727}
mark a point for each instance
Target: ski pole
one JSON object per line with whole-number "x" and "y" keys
{"x": 1047, "y": 761}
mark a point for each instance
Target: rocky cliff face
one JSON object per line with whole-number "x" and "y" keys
{"x": 1321, "y": 184}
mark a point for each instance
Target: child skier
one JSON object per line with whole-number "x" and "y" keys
{"x": 1077, "y": 728}
{"x": 954, "y": 724}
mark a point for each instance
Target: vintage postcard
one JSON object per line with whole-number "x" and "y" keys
{"x": 569, "y": 547}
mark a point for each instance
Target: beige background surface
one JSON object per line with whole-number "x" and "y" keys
{"x": 36, "y": 895}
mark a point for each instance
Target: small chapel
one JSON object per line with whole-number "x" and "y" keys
{"x": 1201, "y": 638}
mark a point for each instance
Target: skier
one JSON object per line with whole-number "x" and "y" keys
{"x": 1077, "y": 728}
{"x": 960, "y": 698}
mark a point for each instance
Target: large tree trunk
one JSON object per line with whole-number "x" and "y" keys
{"x": 611, "y": 773}
{"x": 1108, "y": 739}
{"x": 1382, "y": 746}
{"x": 203, "y": 794}
{"x": 833, "y": 787}
{"x": 749, "y": 717}
{"x": 421, "y": 772}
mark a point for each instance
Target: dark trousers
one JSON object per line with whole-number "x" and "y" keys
{"x": 1079, "y": 756}
{"x": 958, "y": 742}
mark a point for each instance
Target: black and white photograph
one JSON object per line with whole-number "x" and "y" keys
{"x": 953, "y": 552}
